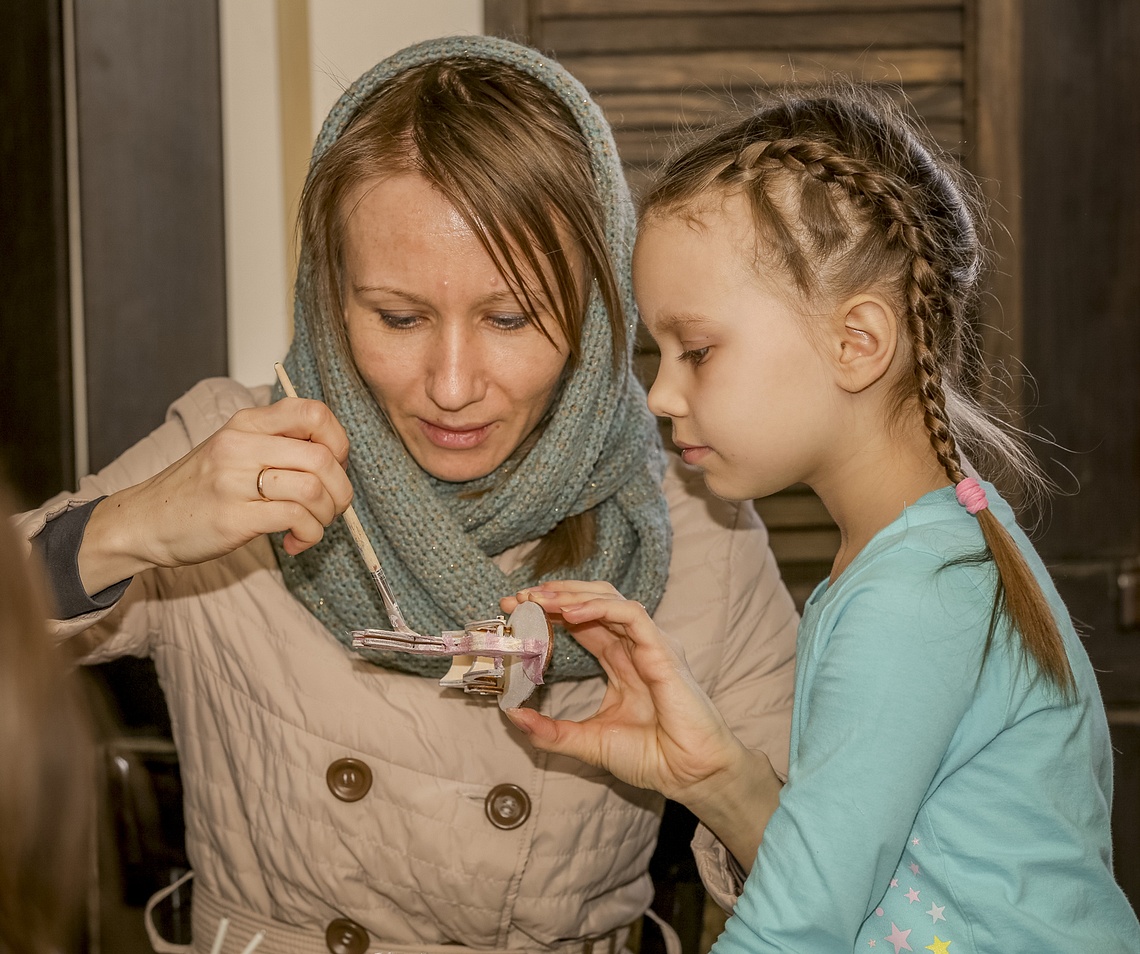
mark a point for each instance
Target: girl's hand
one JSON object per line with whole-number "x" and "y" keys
{"x": 655, "y": 728}
{"x": 207, "y": 503}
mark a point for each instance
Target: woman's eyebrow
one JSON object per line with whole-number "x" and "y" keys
{"x": 389, "y": 290}
{"x": 506, "y": 296}
{"x": 502, "y": 297}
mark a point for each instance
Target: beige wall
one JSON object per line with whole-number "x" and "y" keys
{"x": 284, "y": 63}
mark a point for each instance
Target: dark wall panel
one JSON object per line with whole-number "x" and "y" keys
{"x": 152, "y": 209}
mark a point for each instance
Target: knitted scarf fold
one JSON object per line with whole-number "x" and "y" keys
{"x": 599, "y": 448}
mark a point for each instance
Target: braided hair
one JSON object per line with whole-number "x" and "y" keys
{"x": 849, "y": 193}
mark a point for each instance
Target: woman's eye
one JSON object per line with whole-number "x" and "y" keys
{"x": 508, "y": 322}
{"x": 398, "y": 320}
{"x": 694, "y": 356}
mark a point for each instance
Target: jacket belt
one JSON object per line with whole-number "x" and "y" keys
{"x": 207, "y": 911}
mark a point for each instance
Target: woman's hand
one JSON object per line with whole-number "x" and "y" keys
{"x": 208, "y": 503}
{"x": 655, "y": 728}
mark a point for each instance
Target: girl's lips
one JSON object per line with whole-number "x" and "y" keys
{"x": 452, "y": 438}
{"x": 691, "y": 453}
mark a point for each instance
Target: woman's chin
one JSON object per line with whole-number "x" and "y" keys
{"x": 456, "y": 466}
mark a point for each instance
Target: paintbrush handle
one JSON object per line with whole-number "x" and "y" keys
{"x": 359, "y": 537}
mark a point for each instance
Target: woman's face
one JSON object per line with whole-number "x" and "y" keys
{"x": 438, "y": 334}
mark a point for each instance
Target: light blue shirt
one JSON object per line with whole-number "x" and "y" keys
{"x": 933, "y": 803}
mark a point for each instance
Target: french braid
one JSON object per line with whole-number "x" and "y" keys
{"x": 846, "y": 196}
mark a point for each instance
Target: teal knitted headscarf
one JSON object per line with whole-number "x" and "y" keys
{"x": 598, "y": 449}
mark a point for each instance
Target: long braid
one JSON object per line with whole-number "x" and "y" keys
{"x": 905, "y": 214}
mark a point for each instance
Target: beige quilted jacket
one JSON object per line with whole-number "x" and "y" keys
{"x": 264, "y": 700}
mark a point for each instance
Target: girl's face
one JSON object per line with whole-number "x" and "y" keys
{"x": 438, "y": 334}
{"x": 750, "y": 396}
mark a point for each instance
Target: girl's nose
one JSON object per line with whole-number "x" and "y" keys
{"x": 664, "y": 399}
{"x": 456, "y": 374}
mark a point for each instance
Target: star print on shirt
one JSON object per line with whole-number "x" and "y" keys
{"x": 939, "y": 946}
{"x": 912, "y": 895}
{"x": 871, "y": 943}
{"x": 899, "y": 938}
{"x": 913, "y": 868}
{"x": 914, "y": 841}
{"x": 935, "y": 913}
{"x": 894, "y": 882}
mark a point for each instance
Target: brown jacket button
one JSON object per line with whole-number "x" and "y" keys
{"x": 343, "y": 936}
{"x": 507, "y": 806}
{"x": 349, "y": 779}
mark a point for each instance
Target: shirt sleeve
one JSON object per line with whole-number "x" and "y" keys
{"x": 890, "y": 673}
{"x": 115, "y": 623}
{"x": 58, "y": 546}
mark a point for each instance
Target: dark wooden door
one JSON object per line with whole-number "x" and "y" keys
{"x": 1080, "y": 266}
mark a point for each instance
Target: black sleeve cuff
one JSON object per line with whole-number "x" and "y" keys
{"x": 58, "y": 546}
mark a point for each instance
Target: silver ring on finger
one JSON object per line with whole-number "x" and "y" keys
{"x": 261, "y": 483}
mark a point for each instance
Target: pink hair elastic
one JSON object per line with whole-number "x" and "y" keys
{"x": 971, "y": 495}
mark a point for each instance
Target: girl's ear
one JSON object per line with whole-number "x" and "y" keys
{"x": 866, "y": 342}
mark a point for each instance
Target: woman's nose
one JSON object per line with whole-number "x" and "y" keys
{"x": 456, "y": 376}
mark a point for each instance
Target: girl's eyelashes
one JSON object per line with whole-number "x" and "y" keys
{"x": 694, "y": 356}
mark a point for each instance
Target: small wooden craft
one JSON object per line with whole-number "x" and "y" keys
{"x": 504, "y": 657}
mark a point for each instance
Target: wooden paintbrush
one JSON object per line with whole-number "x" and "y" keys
{"x": 360, "y": 538}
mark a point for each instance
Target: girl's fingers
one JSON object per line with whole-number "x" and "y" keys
{"x": 551, "y": 592}
{"x": 625, "y": 617}
{"x": 557, "y": 736}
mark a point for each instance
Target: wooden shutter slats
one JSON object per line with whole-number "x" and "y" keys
{"x": 553, "y": 9}
{"x": 723, "y": 70}
{"x": 678, "y": 108}
{"x": 757, "y": 31}
{"x": 644, "y": 147}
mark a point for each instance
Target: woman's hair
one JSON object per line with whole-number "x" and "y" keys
{"x": 47, "y": 783}
{"x": 848, "y": 193}
{"x": 507, "y": 153}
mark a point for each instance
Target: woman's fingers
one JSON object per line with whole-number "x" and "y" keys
{"x": 276, "y": 468}
{"x": 321, "y": 486}
{"x": 299, "y": 419}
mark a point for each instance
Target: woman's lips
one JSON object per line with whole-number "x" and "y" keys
{"x": 455, "y": 438}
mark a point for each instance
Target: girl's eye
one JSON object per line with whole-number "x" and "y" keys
{"x": 397, "y": 320}
{"x": 508, "y": 322}
{"x": 694, "y": 356}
